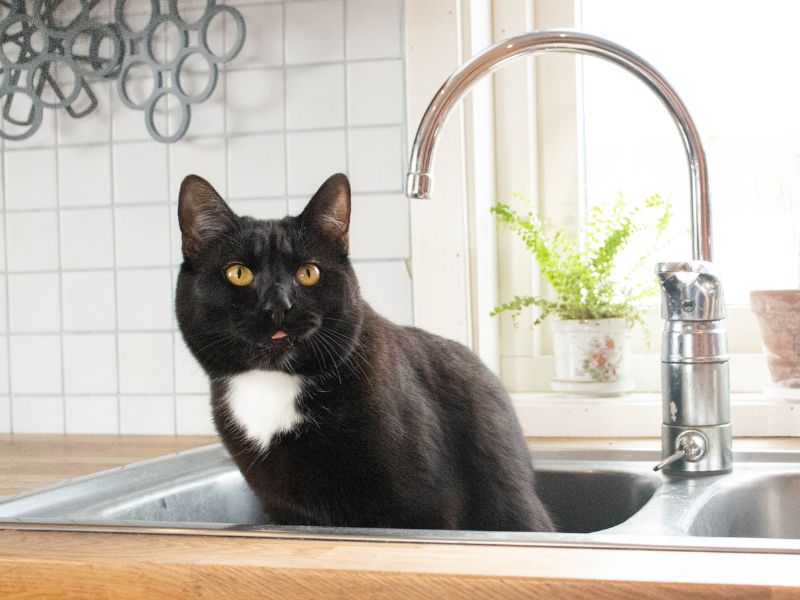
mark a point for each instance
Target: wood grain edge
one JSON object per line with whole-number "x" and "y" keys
{"x": 78, "y": 565}
{"x": 55, "y": 579}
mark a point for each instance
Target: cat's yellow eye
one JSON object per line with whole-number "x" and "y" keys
{"x": 239, "y": 274}
{"x": 308, "y": 274}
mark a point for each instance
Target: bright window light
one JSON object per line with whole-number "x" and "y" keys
{"x": 734, "y": 64}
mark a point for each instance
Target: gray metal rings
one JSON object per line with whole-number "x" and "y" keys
{"x": 189, "y": 40}
{"x": 48, "y": 59}
{"x": 42, "y": 66}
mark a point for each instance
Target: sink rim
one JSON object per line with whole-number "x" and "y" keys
{"x": 682, "y": 496}
{"x": 413, "y": 536}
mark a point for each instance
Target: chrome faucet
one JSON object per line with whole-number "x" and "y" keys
{"x": 696, "y": 432}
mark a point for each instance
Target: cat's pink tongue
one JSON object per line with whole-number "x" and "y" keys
{"x": 279, "y": 335}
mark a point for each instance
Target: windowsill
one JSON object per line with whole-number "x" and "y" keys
{"x": 638, "y": 414}
{"x": 748, "y": 372}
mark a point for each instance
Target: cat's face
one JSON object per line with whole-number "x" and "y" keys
{"x": 274, "y": 295}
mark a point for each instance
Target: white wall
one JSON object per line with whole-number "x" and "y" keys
{"x": 90, "y": 244}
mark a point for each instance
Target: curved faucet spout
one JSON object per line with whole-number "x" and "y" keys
{"x": 696, "y": 430}
{"x": 419, "y": 180}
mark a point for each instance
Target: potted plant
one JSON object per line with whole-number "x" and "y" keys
{"x": 597, "y": 295}
{"x": 778, "y": 313}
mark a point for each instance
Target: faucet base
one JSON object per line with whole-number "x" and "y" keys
{"x": 717, "y": 460}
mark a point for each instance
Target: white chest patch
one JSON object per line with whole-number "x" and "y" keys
{"x": 262, "y": 403}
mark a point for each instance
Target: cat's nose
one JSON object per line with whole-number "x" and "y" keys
{"x": 277, "y": 307}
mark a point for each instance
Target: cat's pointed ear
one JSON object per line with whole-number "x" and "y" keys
{"x": 202, "y": 214}
{"x": 328, "y": 212}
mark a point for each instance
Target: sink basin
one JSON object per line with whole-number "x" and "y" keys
{"x": 758, "y": 503}
{"x": 598, "y": 499}
{"x": 205, "y": 486}
{"x": 591, "y": 496}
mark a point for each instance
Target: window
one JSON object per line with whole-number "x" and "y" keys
{"x": 602, "y": 132}
{"x": 568, "y": 132}
{"x": 744, "y": 98}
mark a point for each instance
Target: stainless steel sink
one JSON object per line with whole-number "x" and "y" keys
{"x": 205, "y": 486}
{"x": 610, "y": 498}
{"x": 760, "y": 502}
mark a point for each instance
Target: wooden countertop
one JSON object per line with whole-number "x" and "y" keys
{"x": 43, "y": 564}
{"x": 29, "y": 461}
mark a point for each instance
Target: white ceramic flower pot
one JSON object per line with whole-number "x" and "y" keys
{"x": 592, "y": 357}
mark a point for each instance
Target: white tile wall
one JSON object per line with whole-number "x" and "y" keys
{"x": 193, "y": 415}
{"x": 4, "y": 375}
{"x": 92, "y": 414}
{"x": 255, "y": 100}
{"x": 256, "y": 166}
{"x": 5, "y": 414}
{"x": 87, "y": 238}
{"x": 84, "y": 176}
{"x": 89, "y": 243}
{"x": 147, "y": 415}
{"x": 142, "y": 236}
{"x": 32, "y": 241}
{"x": 141, "y": 312}
{"x": 314, "y": 31}
{"x": 35, "y": 364}
{"x": 34, "y": 302}
{"x": 313, "y": 156}
{"x": 30, "y": 178}
{"x": 376, "y": 159}
{"x": 131, "y": 162}
{"x": 146, "y": 363}
{"x": 375, "y": 92}
{"x": 315, "y": 97}
{"x": 88, "y": 301}
{"x": 37, "y": 414}
{"x": 90, "y": 363}
{"x": 372, "y": 29}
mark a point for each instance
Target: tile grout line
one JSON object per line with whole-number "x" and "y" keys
{"x": 7, "y": 292}
{"x": 346, "y": 93}
{"x": 114, "y": 256}
{"x": 284, "y": 75}
{"x": 152, "y": 203}
{"x": 60, "y": 282}
{"x": 404, "y": 143}
{"x": 107, "y": 395}
{"x": 165, "y": 267}
{"x": 171, "y": 224}
{"x": 170, "y": 249}
{"x": 234, "y": 134}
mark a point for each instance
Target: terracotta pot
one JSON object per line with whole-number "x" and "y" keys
{"x": 778, "y": 313}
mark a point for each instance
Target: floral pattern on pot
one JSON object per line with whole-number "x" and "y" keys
{"x": 592, "y": 356}
{"x": 602, "y": 361}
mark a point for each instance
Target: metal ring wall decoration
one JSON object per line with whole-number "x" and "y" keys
{"x": 48, "y": 64}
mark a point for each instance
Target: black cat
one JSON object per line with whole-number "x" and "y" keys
{"x": 334, "y": 415}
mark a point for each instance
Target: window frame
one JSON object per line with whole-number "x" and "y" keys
{"x": 449, "y": 227}
{"x": 527, "y": 364}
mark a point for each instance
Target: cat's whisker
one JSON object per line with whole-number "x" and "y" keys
{"x": 310, "y": 417}
{"x": 318, "y": 356}
{"x": 326, "y": 346}
{"x": 348, "y": 340}
{"x": 352, "y": 354}
{"x": 260, "y": 455}
{"x": 336, "y": 345}
{"x": 222, "y": 337}
{"x": 313, "y": 347}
